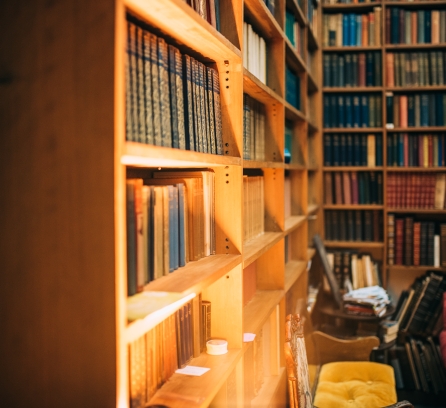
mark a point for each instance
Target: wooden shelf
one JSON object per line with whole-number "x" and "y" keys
{"x": 415, "y": 210}
{"x": 425, "y": 129}
{"x": 415, "y": 169}
{"x": 175, "y": 18}
{"x": 312, "y": 208}
{"x": 293, "y": 270}
{"x": 195, "y": 276}
{"x": 310, "y": 253}
{"x": 270, "y": 387}
{"x": 413, "y": 46}
{"x": 293, "y": 222}
{"x": 353, "y": 244}
{"x": 312, "y": 128}
{"x": 259, "y": 309}
{"x": 352, "y": 48}
{"x": 313, "y": 44}
{"x": 414, "y": 269}
{"x": 142, "y": 155}
{"x": 297, "y": 12}
{"x": 258, "y": 90}
{"x": 294, "y": 58}
{"x": 353, "y": 130}
{"x": 293, "y": 114}
{"x": 312, "y": 86}
{"x": 350, "y": 6}
{"x": 263, "y": 19}
{"x": 416, "y": 88}
{"x": 183, "y": 391}
{"x": 416, "y": 3}
{"x": 257, "y": 246}
{"x": 256, "y": 164}
{"x": 291, "y": 166}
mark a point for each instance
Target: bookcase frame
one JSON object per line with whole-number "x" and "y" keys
{"x": 397, "y": 277}
{"x": 65, "y": 163}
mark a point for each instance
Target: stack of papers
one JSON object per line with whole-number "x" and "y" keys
{"x": 368, "y": 301}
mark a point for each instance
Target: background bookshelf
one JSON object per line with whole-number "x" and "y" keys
{"x": 100, "y": 138}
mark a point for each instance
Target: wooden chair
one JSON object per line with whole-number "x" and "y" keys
{"x": 345, "y": 378}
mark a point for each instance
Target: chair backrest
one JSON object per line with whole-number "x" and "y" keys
{"x": 297, "y": 363}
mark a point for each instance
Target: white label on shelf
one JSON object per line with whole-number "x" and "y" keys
{"x": 247, "y": 337}
{"x": 192, "y": 370}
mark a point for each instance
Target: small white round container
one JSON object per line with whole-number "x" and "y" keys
{"x": 217, "y": 347}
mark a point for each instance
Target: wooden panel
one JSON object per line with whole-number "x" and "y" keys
{"x": 259, "y": 245}
{"x": 274, "y": 199}
{"x": 273, "y": 392}
{"x": 293, "y": 270}
{"x": 270, "y": 268}
{"x": 293, "y": 222}
{"x": 57, "y": 178}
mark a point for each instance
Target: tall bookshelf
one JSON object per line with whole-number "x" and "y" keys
{"x": 65, "y": 163}
{"x": 394, "y": 277}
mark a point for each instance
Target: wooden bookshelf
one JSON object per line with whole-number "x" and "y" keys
{"x": 395, "y": 278}
{"x": 67, "y": 157}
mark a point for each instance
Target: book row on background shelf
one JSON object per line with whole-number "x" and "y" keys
{"x": 349, "y": 1}
{"x": 312, "y": 15}
{"x": 412, "y": 190}
{"x": 352, "y": 69}
{"x": 353, "y": 270}
{"x": 253, "y": 208}
{"x": 290, "y": 155}
{"x": 353, "y": 150}
{"x": 295, "y": 32}
{"x": 172, "y": 99}
{"x": 352, "y": 110}
{"x": 155, "y": 356}
{"x": 354, "y": 225}
{"x": 421, "y": 68}
{"x": 353, "y": 29}
{"x": 292, "y": 85}
{"x": 254, "y": 117}
{"x": 208, "y": 9}
{"x": 412, "y": 242}
{"x": 415, "y": 109}
{"x": 254, "y": 52}
{"x": 170, "y": 221}
{"x": 409, "y": 26}
{"x": 353, "y": 187}
{"x": 416, "y": 150}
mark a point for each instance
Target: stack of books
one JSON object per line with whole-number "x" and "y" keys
{"x": 368, "y": 301}
{"x": 388, "y": 330}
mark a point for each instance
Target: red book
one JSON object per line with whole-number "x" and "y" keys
{"x": 403, "y": 111}
{"x": 420, "y": 151}
{"x": 430, "y": 151}
{"x": 346, "y": 187}
{"x": 414, "y": 26}
{"x": 354, "y": 187}
{"x": 361, "y": 69}
{"x": 338, "y": 187}
{"x": 388, "y": 25}
{"x": 406, "y": 149}
{"x": 399, "y": 241}
{"x": 390, "y": 69}
{"x": 416, "y": 243}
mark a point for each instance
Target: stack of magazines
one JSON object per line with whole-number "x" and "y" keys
{"x": 368, "y": 301}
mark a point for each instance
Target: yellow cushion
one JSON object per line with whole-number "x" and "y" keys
{"x": 355, "y": 384}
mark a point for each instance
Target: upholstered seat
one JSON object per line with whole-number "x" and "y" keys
{"x": 339, "y": 384}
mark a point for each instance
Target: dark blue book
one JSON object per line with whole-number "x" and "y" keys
{"x": 395, "y": 149}
{"x": 427, "y": 27}
{"x": 356, "y": 111}
{"x": 379, "y": 190}
{"x": 410, "y": 142}
{"x": 421, "y": 26}
{"x": 378, "y": 150}
{"x": 394, "y": 25}
{"x": 352, "y": 25}
{"x": 348, "y": 111}
{"x": 389, "y": 150}
{"x": 349, "y": 146}
{"x": 358, "y": 222}
{"x": 363, "y": 150}
{"x": 327, "y": 111}
{"x": 411, "y": 110}
{"x": 131, "y": 239}
{"x": 345, "y": 30}
{"x": 357, "y": 150}
{"x": 341, "y": 111}
{"x": 173, "y": 96}
{"x": 400, "y": 157}
{"x": 389, "y": 108}
{"x": 341, "y": 62}
{"x": 343, "y": 149}
{"x": 334, "y": 70}
{"x": 424, "y": 116}
{"x": 334, "y": 111}
{"x": 432, "y": 110}
{"x": 364, "y": 110}
{"x": 350, "y": 226}
{"x": 328, "y": 159}
{"x": 361, "y": 188}
{"x": 336, "y": 150}
{"x": 367, "y": 187}
{"x": 377, "y": 70}
{"x": 439, "y": 118}
{"x": 327, "y": 70}
{"x": 348, "y": 70}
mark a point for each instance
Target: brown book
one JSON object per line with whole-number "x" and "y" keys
{"x": 414, "y": 27}
{"x": 390, "y": 69}
{"x": 338, "y": 187}
{"x": 354, "y": 187}
{"x": 396, "y": 110}
{"x": 399, "y": 241}
{"x": 328, "y": 184}
{"x": 361, "y": 69}
{"x": 416, "y": 243}
{"x": 403, "y": 111}
{"x": 206, "y": 321}
{"x": 408, "y": 241}
{"x": 196, "y": 325}
{"x": 435, "y": 21}
{"x": 365, "y": 30}
{"x": 346, "y": 188}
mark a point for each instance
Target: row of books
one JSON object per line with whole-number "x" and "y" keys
{"x": 423, "y": 68}
{"x": 419, "y": 109}
{"x": 352, "y": 29}
{"x": 155, "y": 356}
{"x": 172, "y": 99}
{"x": 170, "y": 221}
{"x": 350, "y": 149}
{"x": 417, "y": 365}
{"x": 292, "y": 86}
{"x": 207, "y": 9}
{"x": 352, "y": 69}
{"x": 349, "y": 111}
{"x": 254, "y": 52}
{"x": 353, "y": 187}
{"x": 413, "y": 243}
{"x": 253, "y": 207}
{"x": 416, "y": 150}
{"x": 353, "y": 270}
{"x": 414, "y": 190}
{"x": 292, "y": 151}
{"x": 254, "y": 118}
{"x": 294, "y": 32}
{"x": 409, "y": 26}
{"x": 419, "y": 308}
{"x": 354, "y": 225}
